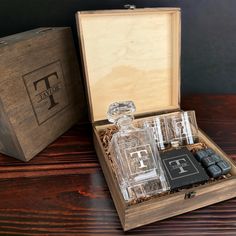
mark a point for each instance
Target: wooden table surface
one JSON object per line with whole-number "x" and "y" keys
{"x": 62, "y": 191}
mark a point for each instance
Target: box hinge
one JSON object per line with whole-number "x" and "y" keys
{"x": 129, "y": 6}
{"x": 2, "y": 42}
{"x": 44, "y": 30}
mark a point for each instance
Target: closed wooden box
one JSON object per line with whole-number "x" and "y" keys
{"x": 135, "y": 55}
{"x": 40, "y": 90}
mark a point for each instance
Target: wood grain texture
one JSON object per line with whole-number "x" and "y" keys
{"x": 62, "y": 191}
{"x": 140, "y": 45}
{"x": 9, "y": 145}
{"x": 40, "y": 89}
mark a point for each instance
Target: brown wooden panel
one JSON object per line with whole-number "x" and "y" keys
{"x": 40, "y": 88}
{"x": 9, "y": 145}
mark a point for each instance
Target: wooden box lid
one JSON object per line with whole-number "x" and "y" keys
{"x": 41, "y": 94}
{"x": 131, "y": 55}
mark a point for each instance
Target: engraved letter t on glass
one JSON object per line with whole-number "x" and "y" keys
{"x": 137, "y": 163}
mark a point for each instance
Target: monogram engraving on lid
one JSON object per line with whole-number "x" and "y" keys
{"x": 47, "y": 91}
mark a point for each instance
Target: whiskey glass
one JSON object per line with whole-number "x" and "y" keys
{"x": 160, "y": 130}
{"x": 182, "y": 128}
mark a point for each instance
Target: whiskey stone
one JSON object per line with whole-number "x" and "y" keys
{"x": 209, "y": 151}
{"x": 214, "y": 171}
{"x": 224, "y": 166}
{"x": 216, "y": 158}
{"x": 200, "y": 155}
{"x": 208, "y": 161}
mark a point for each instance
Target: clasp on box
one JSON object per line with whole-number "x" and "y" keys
{"x": 130, "y": 6}
{"x": 190, "y": 195}
{"x": 2, "y": 42}
{"x": 44, "y": 30}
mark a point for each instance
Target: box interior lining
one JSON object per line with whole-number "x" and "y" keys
{"x": 203, "y": 138}
{"x": 124, "y": 47}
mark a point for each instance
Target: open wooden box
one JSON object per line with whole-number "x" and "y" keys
{"x": 135, "y": 55}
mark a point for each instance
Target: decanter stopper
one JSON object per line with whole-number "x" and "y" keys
{"x": 119, "y": 110}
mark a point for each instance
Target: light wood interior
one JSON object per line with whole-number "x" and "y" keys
{"x": 131, "y": 55}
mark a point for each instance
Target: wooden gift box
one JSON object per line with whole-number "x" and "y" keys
{"x": 135, "y": 55}
{"x": 41, "y": 93}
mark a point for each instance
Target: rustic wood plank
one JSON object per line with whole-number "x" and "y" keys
{"x": 77, "y": 201}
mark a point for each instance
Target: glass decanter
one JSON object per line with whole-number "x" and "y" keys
{"x": 137, "y": 163}
{"x": 183, "y": 128}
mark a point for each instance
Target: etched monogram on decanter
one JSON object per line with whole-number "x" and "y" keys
{"x": 135, "y": 155}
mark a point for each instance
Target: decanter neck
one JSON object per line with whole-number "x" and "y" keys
{"x": 125, "y": 123}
